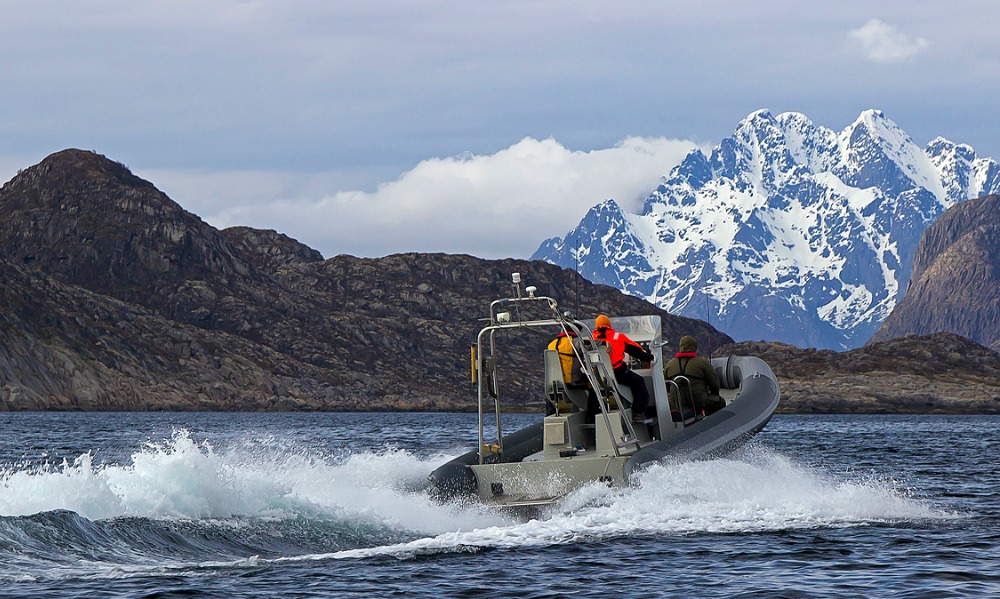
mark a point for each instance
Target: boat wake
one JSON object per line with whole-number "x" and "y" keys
{"x": 182, "y": 504}
{"x": 754, "y": 491}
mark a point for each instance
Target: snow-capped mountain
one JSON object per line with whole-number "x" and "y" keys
{"x": 789, "y": 231}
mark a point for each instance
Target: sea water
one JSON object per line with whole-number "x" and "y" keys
{"x": 336, "y": 505}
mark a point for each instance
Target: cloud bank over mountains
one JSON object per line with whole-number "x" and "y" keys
{"x": 234, "y": 106}
{"x": 492, "y": 206}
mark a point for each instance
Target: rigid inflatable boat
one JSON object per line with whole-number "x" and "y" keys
{"x": 577, "y": 443}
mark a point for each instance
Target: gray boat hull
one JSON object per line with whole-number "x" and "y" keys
{"x": 726, "y": 429}
{"x": 502, "y": 479}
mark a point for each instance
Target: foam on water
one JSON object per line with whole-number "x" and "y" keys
{"x": 760, "y": 491}
{"x": 267, "y": 480}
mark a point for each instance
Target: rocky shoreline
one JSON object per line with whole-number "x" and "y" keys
{"x": 941, "y": 373}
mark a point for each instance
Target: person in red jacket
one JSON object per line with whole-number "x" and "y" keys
{"x": 618, "y": 345}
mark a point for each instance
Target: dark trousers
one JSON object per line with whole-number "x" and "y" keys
{"x": 635, "y": 382}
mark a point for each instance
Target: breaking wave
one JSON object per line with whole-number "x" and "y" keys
{"x": 183, "y": 503}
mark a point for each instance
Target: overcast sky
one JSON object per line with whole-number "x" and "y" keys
{"x": 374, "y": 127}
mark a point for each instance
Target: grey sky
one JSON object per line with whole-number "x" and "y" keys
{"x": 334, "y": 122}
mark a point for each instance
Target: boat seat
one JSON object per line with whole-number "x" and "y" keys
{"x": 556, "y": 388}
{"x": 600, "y": 363}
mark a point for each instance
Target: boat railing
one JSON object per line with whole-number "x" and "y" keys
{"x": 492, "y": 390}
{"x": 516, "y": 312}
{"x": 672, "y": 384}
{"x": 602, "y": 378}
{"x": 507, "y": 313}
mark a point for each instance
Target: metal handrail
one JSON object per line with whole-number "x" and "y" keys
{"x": 680, "y": 407}
{"x": 611, "y": 386}
{"x": 499, "y": 321}
{"x": 483, "y": 358}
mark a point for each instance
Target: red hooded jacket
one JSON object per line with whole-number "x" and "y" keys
{"x": 618, "y": 345}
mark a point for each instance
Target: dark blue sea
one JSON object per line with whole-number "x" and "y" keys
{"x": 335, "y": 505}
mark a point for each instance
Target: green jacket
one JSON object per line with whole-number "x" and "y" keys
{"x": 698, "y": 370}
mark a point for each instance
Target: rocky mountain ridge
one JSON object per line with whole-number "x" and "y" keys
{"x": 125, "y": 267}
{"x": 115, "y": 298}
{"x": 938, "y": 373}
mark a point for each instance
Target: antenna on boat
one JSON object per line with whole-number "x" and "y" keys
{"x": 577, "y": 269}
{"x": 516, "y": 279}
{"x": 708, "y": 319}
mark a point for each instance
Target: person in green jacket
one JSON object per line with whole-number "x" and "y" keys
{"x": 704, "y": 381}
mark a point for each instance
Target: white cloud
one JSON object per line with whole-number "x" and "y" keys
{"x": 232, "y": 105}
{"x": 884, "y": 43}
{"x": 498, "y": 205}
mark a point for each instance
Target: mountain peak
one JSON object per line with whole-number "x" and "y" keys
{"x": 877, "y": 152}
{"x": 876, "y": 124}
{"x": 87, "y": 165}
{"x": 755, "y": 125}
{"x": 75, "y": 177}
{"x": 792, "y": 116}
{"x": 761, "y": 114}
{"x": 940, "y": 146}
{"x": 120, "y": 230}
{"x": 955, "y": 267}
{"x": 872, "y": 115}
{"x": 788, "y": 229}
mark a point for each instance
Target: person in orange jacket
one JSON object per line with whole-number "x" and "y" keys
{"x": 618, "y": 345}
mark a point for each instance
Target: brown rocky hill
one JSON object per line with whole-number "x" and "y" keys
{"x": 955, "y": 284}
{"x": 115, "y": 297}
{"x": 270, "y": 251}
{"x": 63, "y": 347}
{"x": 943, "y": 373}
{"x": 88, "y": 221}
